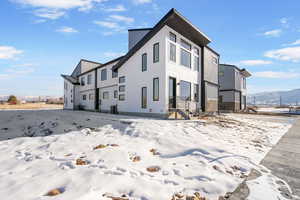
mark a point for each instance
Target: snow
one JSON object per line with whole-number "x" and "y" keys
{"x": 210, "y": 156}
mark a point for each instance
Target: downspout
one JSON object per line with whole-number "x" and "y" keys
{"x": 96, "y": 94}
{"x": 202, "y": 81}
{"x": 218, "y": 85}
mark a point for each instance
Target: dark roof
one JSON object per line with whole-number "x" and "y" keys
{"x": 140, "y": 29}
{"x": 103, "y": 65}
{"x": 71, "y": 79}
{"x": 177, "y": 22}
{"x": 243, "y": 71}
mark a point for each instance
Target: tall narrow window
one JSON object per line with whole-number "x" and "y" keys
{"x": 122, "y": 88}
{"x": 144, "y": 97}
{"x": 144, "y": 62}
{"x": 156, "y": 52}
{"x": 89, "y": 79}
{"x": 82, "y": 82}
{"x": 114, "y": 73}
{"x": 185, "y": 54}
{"x": 196, "y": 92}
{"x": 172, "y": 37}
{"x": 103, "y": 74}
{"x": 196, "y": 59}
{"x": 155, "y": 89}
{"x": 185, "y": 90}
{"x": 172, "y": 52}
{"x": 116, "y": 94}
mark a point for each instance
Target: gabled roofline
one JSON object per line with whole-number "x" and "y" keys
{"x": 102, "y": 65}
{"x": 212, "y": 50}
{"x": 90, "y": 61}
{"x": 69, "y": 78}
{"x": 171, "y": 14}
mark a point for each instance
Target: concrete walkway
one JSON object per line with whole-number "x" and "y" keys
{"x": 284, "y": 158}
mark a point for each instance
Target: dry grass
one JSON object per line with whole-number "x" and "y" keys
{"x": 30, "y": 106}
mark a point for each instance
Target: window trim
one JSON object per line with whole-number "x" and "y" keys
{"x": 116, "y": 94}
{"x": 89, "y": 79}
{"x": 144, "y": 68}
{"x": 171, "y": 33}
{"x": 121, "y": 86}
{"x": 183, "y": 49}
{"x": 175, "y": 57}
{"x": 190, "y": 84}
{"x": 120, "y": 96}
{"x": 142, "y": 105}
{"x": 121, "y": 78}
{"x": 105, "y": 75}
{"x": 105, "y": 92}
{"x": 154, "y": 59}
{"x": 114, "y": 74}
{"x": 155, "y": 99}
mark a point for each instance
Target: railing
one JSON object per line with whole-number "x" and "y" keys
{"x": 184, "y": 107}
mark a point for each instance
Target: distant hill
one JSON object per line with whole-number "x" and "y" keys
{"x": 273, "y": 98}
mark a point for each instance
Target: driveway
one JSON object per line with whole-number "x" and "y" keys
{"x": 284, "y": 158}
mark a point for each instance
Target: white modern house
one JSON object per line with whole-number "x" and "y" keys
{"x": 233, "y": 88}
{"x": 168, "y": 68}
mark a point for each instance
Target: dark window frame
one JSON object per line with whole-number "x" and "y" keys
{"x": 122, "y": 86}
{"x": 120, "y": 78}
{"x": 156, "y": 59}
{"x": 106, "y": 92}
{"x": 84, "y": 97}
{"x": 121, "y": 95}
{"x": 175, "y": 37}
{"x": 115, "y": 94}
{"x": 89, "y": 79}
{"x": 114, "y": 73}
{"x": 144, "y": 64}
{"x": 144, "y": 106}
{"x": 101, "y": 75}
{"x": 154, "y": 97}
{"x": 82, "y": 81}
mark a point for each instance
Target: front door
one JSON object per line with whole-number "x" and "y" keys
{"x": 172, "y": 92}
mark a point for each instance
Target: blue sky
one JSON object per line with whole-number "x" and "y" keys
{"x": 41, "y": 39}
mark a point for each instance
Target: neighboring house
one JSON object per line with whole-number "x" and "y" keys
{"x": 233, "y": 90}
{"x": 167, "y": 67}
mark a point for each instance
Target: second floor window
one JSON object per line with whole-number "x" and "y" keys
{"x": 185, "y": 54}
{"x": 172, "y": 52}
{"x": 144, "y": 62}
{"x": 105, "y": 95}
{"x": 122, "y": 88}
{"x": 82, "y": 81}
{"x": 196, "y": 59}
{"x": 103, "y": 74}
{"x": 122, "y": 79}
{"x": 156, "y": 52}
{"x": 114, "y": 74}
{"x": 89, "y": 79}
{"x": 84, "y": 97}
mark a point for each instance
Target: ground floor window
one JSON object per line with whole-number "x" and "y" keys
{"x": 196, "y": 92}
{"x": 105, "y": 95}
{"x": 84, "y": 97}
{"x": 155, "y": 89}
{"x": 122, "y": 97}
{"x": 116, "y": 94}
{"x": 185, "y": 90}
{"x": 144, "y": 97}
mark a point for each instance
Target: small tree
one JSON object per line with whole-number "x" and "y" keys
{"x": 12, "y": 99}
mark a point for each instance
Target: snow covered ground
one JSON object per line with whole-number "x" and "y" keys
{"x": 87, "y": 155}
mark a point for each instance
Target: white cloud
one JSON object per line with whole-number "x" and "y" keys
{"x": 107, "y": 24}
{"x": 141, "y": 1}
{"x": 121, "y": 18}
{"x": 273, "y": 33}
{"x": 16, "y": 71}
{"x": 284, "y": 20}
{"x": 276, "y": 75}
{"x": 4, "y": 76}
{"x": 255, "y": 62}
{"x": 118, "y": 8}
{"x": 285, "y": 54}
{"x": 53, "y": 9}
{"x": 9, "y": 52}
{"x": 111, "y": 54}
{"x": 49, "y": 13}
{"x": 297, "y": 42}
{"x": 66, "y": 29}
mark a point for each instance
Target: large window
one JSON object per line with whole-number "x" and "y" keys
{"x": 114, "y": 73}
{"x": 196, "y": 92}
{"x": 103, "y": 74}
{"x": 196, "y": 59}
{"x": 122, "y": 88}
{"x": 155, "y": 89}
{"x": 185, "y": 54}
{"x": 122, "y": 79}
{"x": 144, "y": 62}
{"x": 185, "y": 90}
{"x": 121, "y": 97}
{"x": 82, "y": 81}
{"x": 89, "y": 79}
{"x": 105, "y": 95}
{"x": 144, "y": 97}
{"x": 156, "y": 52}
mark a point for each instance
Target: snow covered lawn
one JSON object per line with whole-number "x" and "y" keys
{"x": 100, "y": 156}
